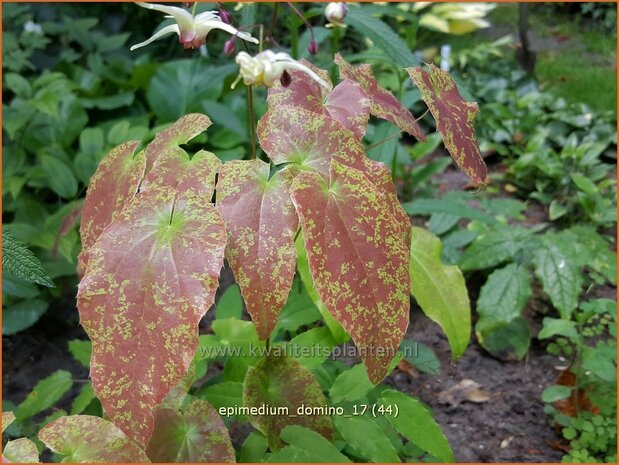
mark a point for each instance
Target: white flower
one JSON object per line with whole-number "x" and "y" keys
{"x": 192, "y": 30}
{"x": 267, "y": 67}
{"x": 335, "y": 12}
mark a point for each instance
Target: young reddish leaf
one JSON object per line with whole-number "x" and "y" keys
{"x": 181, "y": 132}
{"x": 21, "y": 450}
{"x": 382, "y": 102}
{"x": 455, "y": 119}
{"x": 89, "y": 439}
{"x": 261, "y": 224}
{"x": 153, "y": 274}
{"x": 197, "y": 434}
{"x": 358, "y": 260}
{"x": 309, "y": 140}
{"x": 347, "y": 103}
{"x": 176, "y": 396}
{"x": 111, "y": 188}
{"x": 283, "y": 384}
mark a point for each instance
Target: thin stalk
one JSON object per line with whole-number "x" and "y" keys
{"x": 335, "y": 47}
{"x": 386, "y": 139}
{"x": 252, "y": 122}
{"x": 294, "y": 39}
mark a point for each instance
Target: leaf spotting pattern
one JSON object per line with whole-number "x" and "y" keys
{"x": 382, "y": 102}
{"x": 152, "y": 276}
{"x": 455, "y": 119}
{"x": 261, "y": 225}
{"x": 89, "y": 439}
{"x": 357, "y": 259}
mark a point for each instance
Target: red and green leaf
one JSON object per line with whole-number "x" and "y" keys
{"x": 309, "y": 141}
{"x": 181, "y": 132}
{"x": 152, "y": 275}
{"x": 89, "y": 439}
{"x": 347, "y": 103}
{"x": 455, "y": 119}
{"x": 261, "y": 225}
{"x": 111, "y": 188}
{"x": 382, "y": 102}
{"x": 357, "y": 259}
{"x": 282, "y": 382}
{"x": 21, "y": 450}
{"x": 7, "y": 419}
{"x": 196, "y": 434}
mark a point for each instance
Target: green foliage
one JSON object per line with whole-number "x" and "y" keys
{"x": 18, "y": 260}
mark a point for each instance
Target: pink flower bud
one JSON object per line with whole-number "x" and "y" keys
{"x": 230, "y": 47}
{"x": 312, "y": 47}
{"x": 285, "y": 79}
{"x": 188, "y": 4}
{"x": 225, "y": 16}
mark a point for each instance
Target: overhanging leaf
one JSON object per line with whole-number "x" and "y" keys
{"x": 111, "y": 188}
{"x": 261, "y": 225}
{"x": 154, "y": 271}
{"x": 197, "y": 434}
{"x": 282, "y": 382}
{"x": 88, "y": 439}
{"x": 7, "y": 419}
{"x": 455, "y": 119}
{"x": 382, "y": 102}
{"x": 440, "y": 290}
{"x": 357, "y": 259}
{"x": 19, "y": 260}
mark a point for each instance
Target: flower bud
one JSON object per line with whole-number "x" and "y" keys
{"x": 188, "y": 4}
{"x": 285, "y": 79}
{"x": 335, "y": 13}
{"x": 230, "y": 47}
{"x": 225, "y": 16}
{"x": 312, "y": 47}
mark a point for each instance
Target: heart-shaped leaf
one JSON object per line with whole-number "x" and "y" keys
{"x": 197, "y": 434}
{"x": 357, "y": 259}
{"x": 282, "y": 385}
{"x": 21, "y": 450}
{"x": 153, "y": 274}
{"x": 88, "y": 439}
{"x": 261, "y": 225}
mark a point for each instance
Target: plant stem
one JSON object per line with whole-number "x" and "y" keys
{"x": 388, "y": 138}
{"x": 252, "y": 125}
{"x": 335, "y": 47}
{"x": 294, "y": 39}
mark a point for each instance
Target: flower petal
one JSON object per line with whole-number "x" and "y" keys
{"x": 183, "y": 18}
{"x": 204, "y": 26}
{"x": 160, "y": 33}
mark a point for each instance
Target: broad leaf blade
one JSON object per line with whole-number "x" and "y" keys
{"x": 282, "y": 382}
{"x": 88, "y": 439}
{"x": 455, "y": 119}
{"x": 155, "y": 272}
{"x": 197, "y": 434}
{"x": 261, "y": 224}
{"x": 366, "y": 439}
{"x": 21, "y": 450}
{"x": 440, "y": 290}
{"x": 44, "y": 395}
{"x": 19, "y": 260}
{"x": 382, "y": 102}
{"x": 320, "y": 449}
{"x": 111, "y": 188}
{"x": 357, "y": 259}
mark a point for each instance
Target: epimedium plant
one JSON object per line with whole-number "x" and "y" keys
{"x": 158, "y": 223}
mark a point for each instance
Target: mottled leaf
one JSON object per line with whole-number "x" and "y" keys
{"x": 455, "y": 119}
{"x": 309, "y": 141}
{"x": 560, "y": 277}
{"x": 111, "y": 188}
{"x": 19, "y": 260}
{"x": 178, "y": 393}
{"x": 181, "y": 132}
{"x": 152, "y": 276}
{"x": 382, "y": 102}
{"x": 261, "y": 225}
{"x": 197, "y": 434}
{"x": 7, "y": 419}
{"x": 415, "y": 422}
{"x": 21, "y": 450}
{"x": 347, "y": 103}
{"x": 357, "y": 259}
{"x": 440, "y": 290}
{"x": 282, "y": 383}
{"x": 88, "y": 439}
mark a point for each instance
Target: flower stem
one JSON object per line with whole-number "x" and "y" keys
{"x": 335, "y": 48}
{"x": 252, "y": 122}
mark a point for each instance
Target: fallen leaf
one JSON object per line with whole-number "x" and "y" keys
{"x": 465, "y": 390}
